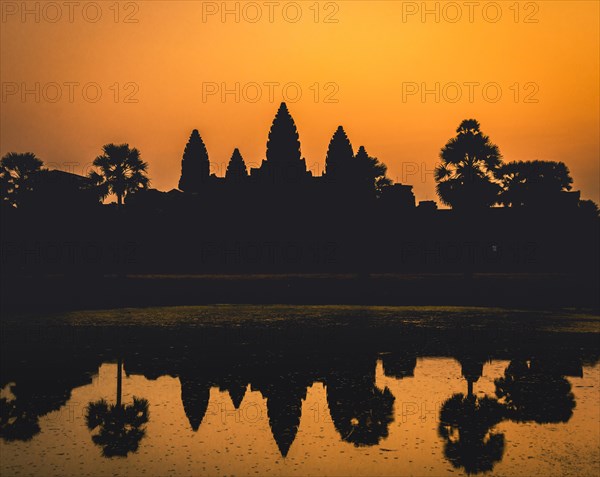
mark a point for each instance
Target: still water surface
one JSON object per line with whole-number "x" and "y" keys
{"x": 300, "y": 391}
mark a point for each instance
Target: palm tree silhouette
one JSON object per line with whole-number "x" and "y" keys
{"x": 465, "y": 176}
{"x": 16, "y": 173}
{"x": 121, "y": 171}
{"x": 120, "y": 426}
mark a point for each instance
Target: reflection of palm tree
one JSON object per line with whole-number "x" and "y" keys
{"x": 362, "y": 419}
{"x": 120, "y": 426}
{"x": 17, "y": 173}
{"x": 471, "y": 370}
{"x": 17, "y": 422}
{"x": 465, "y": 425}
{"x": 360, "y": 411}
{"x": 533, "y": 393}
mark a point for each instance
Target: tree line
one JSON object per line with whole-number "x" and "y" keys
{"x": 470, "y": 176}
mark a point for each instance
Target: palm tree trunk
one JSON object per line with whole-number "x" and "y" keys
{"x": 120, "y": 200}
{"x": 469, "y": 387}
{"x": 119, "y": 381}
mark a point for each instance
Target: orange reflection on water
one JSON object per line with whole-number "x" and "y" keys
{"x": 241, "y": 442}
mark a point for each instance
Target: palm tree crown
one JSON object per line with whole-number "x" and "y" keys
{"x": 121, "y": 171}
{"x": 465, "y": 176}
{"x": 16, "y": 176}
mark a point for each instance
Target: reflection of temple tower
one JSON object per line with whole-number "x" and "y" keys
{"x": 284, "y": 390}
{"x": 236, "y": 389}
{"x": 284, "y": 407}
{"x": 195, "y": 394}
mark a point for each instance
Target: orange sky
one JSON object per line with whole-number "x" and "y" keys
{"x": 373, "y": 53}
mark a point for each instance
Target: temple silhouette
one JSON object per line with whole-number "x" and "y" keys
{"x": 280, "y": 220}
{"x": 348, "y": 178}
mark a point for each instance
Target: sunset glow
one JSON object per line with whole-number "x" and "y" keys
{"x": 369, "y": 63}
{"x": 337, "y": 238}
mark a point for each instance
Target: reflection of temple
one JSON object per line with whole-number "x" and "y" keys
{"x": 361, "y": 412}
